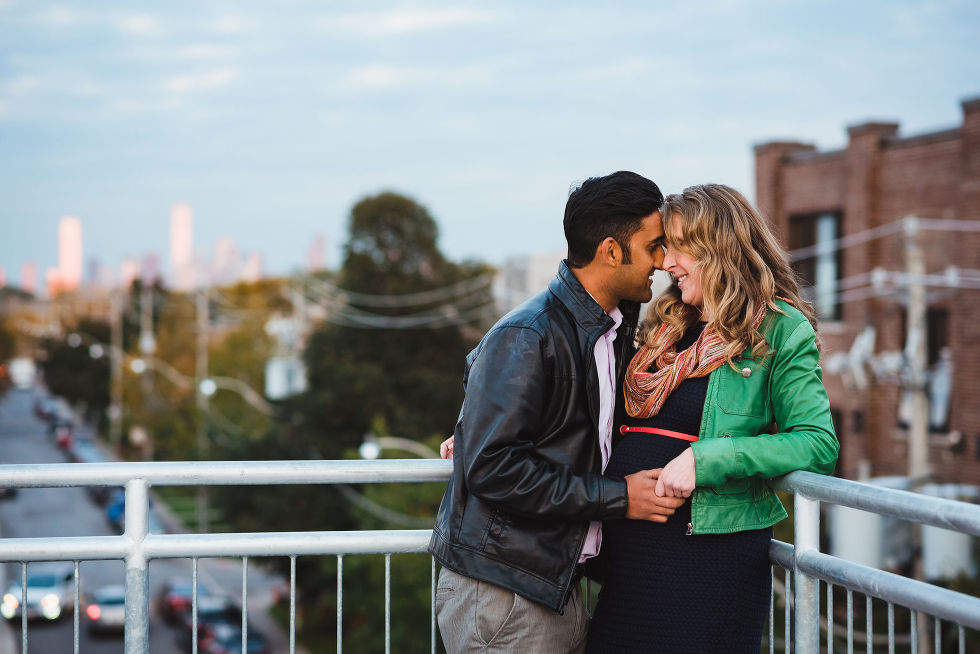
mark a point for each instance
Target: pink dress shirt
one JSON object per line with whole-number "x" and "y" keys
{"x": 605, "y": 364}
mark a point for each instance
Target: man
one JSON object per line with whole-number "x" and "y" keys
{"x": 523, "y": 509}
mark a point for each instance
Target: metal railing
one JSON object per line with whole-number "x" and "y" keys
{"x": 136, "y": 546}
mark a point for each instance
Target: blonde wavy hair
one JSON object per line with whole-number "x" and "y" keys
{"x": 742, "y": 265}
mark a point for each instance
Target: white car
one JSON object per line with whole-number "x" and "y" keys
{"x": 106, "y": 610}
{"x": 50, "y": 593}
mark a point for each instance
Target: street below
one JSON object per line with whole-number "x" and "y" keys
{"x": 59, "y": 512}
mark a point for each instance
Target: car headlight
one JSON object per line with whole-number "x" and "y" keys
{"x": 51, "y": 606}
{"x": 11, "y": 600}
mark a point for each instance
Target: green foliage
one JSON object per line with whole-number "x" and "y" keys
{"x": 410, "y": 377}
{"x": 74, "y": 374}
{"x": 399, "y": 382}
{"x": 7, "y": 348}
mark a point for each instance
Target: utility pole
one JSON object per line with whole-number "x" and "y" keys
{"x": 147, "y": 341}
{"x": 116, "y": 370}
{"x": 201, "y": 373}
{"x": 916, "y": 355}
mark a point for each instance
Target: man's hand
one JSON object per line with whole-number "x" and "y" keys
{"x": 446, "y": 448}
{"x": 678, "y": 477}
{"x": 644, "y": 503}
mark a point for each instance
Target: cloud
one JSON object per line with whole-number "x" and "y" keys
{"x": 58, "y": 16}
{"x": 233, "y": 24}
{"x": 202, "y": 51}
{"x": 406, "y": 21}
{"x": 384, "y": 76}
{"x": 22, "y": 84}
{"x": 140, "y": 25}
{"x": 203, "y": 81}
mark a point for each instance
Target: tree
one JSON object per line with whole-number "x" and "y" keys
{"x": 74, "y": 374}
{"x": 391, "y": 380}
{"x": 409, "y": 377}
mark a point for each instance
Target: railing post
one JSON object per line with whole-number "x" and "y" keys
{"x": 137, "y": 630}
{"x": 806, "y": 537}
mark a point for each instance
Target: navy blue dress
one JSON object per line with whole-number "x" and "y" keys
{"x": 666, "y": 591}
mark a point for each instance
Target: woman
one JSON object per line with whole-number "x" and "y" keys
{"x": 724, "y": 393}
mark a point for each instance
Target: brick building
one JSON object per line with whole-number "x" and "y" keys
{"x": 863, "y": 192}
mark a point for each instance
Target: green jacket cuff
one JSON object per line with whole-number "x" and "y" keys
{"x": 712, "y": 458}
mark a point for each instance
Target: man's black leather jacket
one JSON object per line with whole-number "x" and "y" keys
{"x": 526, "y": 473}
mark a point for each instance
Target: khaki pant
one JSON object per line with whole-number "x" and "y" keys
{"x": 476, "y": 616}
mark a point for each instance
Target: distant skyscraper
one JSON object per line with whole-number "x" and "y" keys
{"x": 3, "y": 277}
{"x": 252, "y": 270}
{"x": 92, "y": 271}
{"x": 227, "y": 261}
{"x": 316, "y": 255}
{"x": 129, "y": 271}
{"x": 182, "y": 247}
{"x": 28, "y": 277}
{"x": 69, "y": 253}
{"x": 53, "y": 282}
{"x": 150, "y": 268}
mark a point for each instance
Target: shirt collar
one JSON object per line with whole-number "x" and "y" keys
{"x": 613, "y": 313}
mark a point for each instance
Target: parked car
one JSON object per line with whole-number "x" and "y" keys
{"x": 7, "y": 493}
{"x": 44, "y": 408}
{"x": 86, "y": 450}
{"x": 63, "y": 432}
{"x": 176, "y": 596}
{"x": 228, "y": 640}
{"x": 106, "y": 609}
{"x": 116, "y": 513}
{"x": 219, "y": 629}
{"x": 50, "y": 593}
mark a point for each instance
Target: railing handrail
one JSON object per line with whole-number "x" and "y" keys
{"x": 935, "y": 511}
{"x": 891, "y": 587}
{"x": 256, "y": 544}
{"x": 136, "y": 546}
{"x": 224, "y": 473}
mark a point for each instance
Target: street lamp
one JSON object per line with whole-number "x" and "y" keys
{"x": 208, "y": 387}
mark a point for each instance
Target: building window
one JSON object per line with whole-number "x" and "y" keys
{"x": 821, "y": 270}
{"x": 857, "y": 422}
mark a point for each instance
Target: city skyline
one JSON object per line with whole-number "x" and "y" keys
{"x": 271, "y": 122}
{"x": 226, "y": 264}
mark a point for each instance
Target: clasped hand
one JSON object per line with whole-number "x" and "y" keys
{"x": 678, "y": 477}
{"x": 653, "y": 494}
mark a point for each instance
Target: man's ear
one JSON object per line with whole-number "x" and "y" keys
{"x": 609, "y": 252}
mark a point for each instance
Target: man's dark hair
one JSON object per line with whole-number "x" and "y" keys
{"x": 614, "y": 205}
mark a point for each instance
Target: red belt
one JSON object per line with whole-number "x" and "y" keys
{"x": 624, "y": 429}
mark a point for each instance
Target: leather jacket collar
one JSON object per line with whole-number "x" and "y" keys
{"x": 586, "y": 311}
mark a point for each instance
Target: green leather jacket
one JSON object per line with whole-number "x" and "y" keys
{"x": 735, "y": 455}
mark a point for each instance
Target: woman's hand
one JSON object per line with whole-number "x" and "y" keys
{"x": 677, "y": 479}
{"x": 446, "y": 448}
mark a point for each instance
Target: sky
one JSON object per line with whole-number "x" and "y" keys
{"x": 271, "y": 119}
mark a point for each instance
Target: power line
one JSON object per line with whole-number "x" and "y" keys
{"x": 465, "y": 287}
{"x": 931, "y": 224}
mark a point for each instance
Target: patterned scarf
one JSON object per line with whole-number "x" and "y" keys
{"x": 647, "y": 391}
